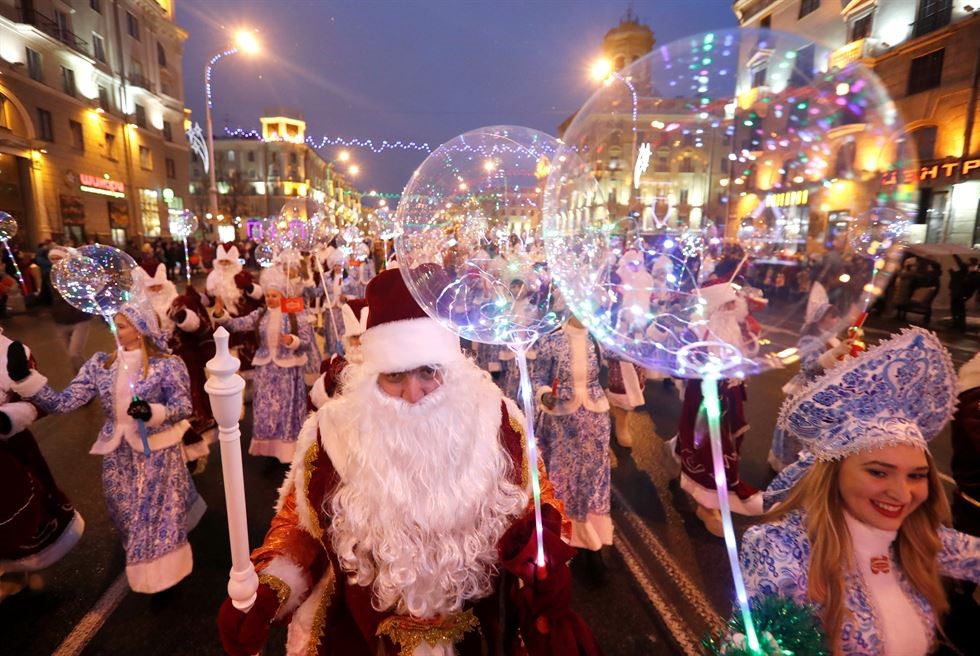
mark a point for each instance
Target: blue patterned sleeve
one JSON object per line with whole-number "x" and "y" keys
{"x": 241, "y": 324}
{"x": 960, "y": 555}
{"x": 542, "y": 373}
{"x": 811, "y": 348}
{"x": 80, "y": 391}
{"x": 772, "y": 563}
{"x": 176, "y": 386}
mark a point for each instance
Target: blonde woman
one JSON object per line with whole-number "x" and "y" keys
{"x": 862, "y": 531}
{"x": 151, "y": 499}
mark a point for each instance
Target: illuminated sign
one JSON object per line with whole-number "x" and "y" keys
{"x": 103, "y": 186}
{"x": 930, "y": 172}
{"x": 788, "y": 198}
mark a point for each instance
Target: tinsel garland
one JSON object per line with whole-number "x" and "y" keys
{"x": 784, "y": 626}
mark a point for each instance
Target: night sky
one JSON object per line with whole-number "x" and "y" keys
{"x": 413, "y": 70}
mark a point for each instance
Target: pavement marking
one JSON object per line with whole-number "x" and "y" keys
{"x": 681, "y": 633}
{"x": 93, "y": 620}
{"x": 691, "y": 591}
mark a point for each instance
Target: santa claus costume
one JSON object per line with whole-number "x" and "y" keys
{"x": 38, "y": 524}
{"x": 625, "y": 394}
{"x": 151, "y": 498}
{"x": 240, "y": 295}
{"x": 286, "y": 347}
{"x": 635, "y": 287}
{"x": 355, "y": 314}
{"x": 574, "y": 431}
{"x": 190, "y": 336}
{"x": 725, "y": 313}
{"x": 404, "y": 527}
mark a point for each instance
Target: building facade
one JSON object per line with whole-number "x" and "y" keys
{"x": 92, "y": 145}
{"x": 927, "y": 55}
{"x": 257, "y": 173}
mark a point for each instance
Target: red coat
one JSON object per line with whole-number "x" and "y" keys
{"x": 531, "y": 623}
{"x": 193, "y": 342}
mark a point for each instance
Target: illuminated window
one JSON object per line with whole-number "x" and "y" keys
{"x": 150, "y": 211}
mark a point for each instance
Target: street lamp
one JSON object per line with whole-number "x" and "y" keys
{"x": 353, "y": 169}
{"x": 245, "y": 42}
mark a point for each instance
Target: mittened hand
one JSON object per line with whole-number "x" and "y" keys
{"x": 139, "y": 409}
{"x": 18, "y": 365}
{"x": 244, "y": 634}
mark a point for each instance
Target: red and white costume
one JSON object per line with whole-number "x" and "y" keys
{"x": 240, "y": 293}
{"x": 355, "y": 315}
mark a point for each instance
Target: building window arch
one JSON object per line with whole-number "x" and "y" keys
{"x": 924, "y": 138}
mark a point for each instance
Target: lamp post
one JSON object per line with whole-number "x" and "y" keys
{"x": 246, "y": 42}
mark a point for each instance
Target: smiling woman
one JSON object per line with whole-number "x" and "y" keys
{"x": 861, "y": 531}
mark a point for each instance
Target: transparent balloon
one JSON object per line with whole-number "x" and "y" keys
{"x": 755, "y": 174}
{"x": 470, "y": 244}
{"x": 264, "y": 255}
{"x": 183, "y": 225}
{"x": 8, "y": 226}
{"x": 95, "y": 278}
{"x": 297, "y": 223}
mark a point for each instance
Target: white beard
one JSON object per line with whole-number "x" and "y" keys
{"x": 162, "y": 301}
{"x": 723, "y": 326}
{"x": 425, "y": 496}
{"x": 221, "y": 283}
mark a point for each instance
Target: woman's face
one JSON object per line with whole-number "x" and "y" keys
{"x": 882, "y": 487}
{"x": 273, "y": 298}
{"x": 129, "y": 337}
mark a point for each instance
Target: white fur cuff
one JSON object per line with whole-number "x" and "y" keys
{"x": 318, "y": 393}
{"x": 293, "y": 576}
{"x": 21, "y": 414}
{"x": 158, "y": 413}
{"x": 190, "y": 323}
{"x": 30, "y": 385}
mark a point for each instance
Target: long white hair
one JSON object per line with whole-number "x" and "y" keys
{"x": 425, "y": 493}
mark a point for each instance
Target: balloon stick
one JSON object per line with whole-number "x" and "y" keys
{"x": 326, "y": 296}
{"x": 712, "y": 406}
{"x": 187, "y": 263}
{"x": 520, "y": 354}
{"x": 20, "y": 276}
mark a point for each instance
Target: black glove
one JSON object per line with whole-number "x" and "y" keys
{"x": 18, "y": 366}
{"x": 140, "y": 409}
{"x": 180, "y": 316}
{"x": 5, "y": 424}
{"x": 249, "y": 289}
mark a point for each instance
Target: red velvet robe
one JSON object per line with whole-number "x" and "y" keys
{"x": 195, "y": 348}
{"x": 346, "y": 623}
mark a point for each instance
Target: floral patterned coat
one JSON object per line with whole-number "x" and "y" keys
{"x": 554, "y": 364}
{"x": 775, "y": 561}
{"x": 166, "y": 389}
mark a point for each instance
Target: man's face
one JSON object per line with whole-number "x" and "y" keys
{"x": 354, "y": 340}
{"x": 411, "y": 386}
{"x": 223, "y": 263}
{"x": 155, "y": 289}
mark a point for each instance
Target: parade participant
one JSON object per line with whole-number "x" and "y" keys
{"x": 725, "y": 313}
{"x": 355, "y": 314}
{"x": 151, "y": 499}
{"x": 625, "y": 394}
{"x": 966, "y": 449}
{"x": 862, "y": 532}
{"x": 286, "y": 347}
{"x": 635, "y": 287}
{"x": 233, "y": 291}
{"x": 574, "y": 433}
{"x": 38, "y": 524}
{"x": 819, "y": 351}
{"x": 185, "y": 321}
{"x": 404, "y": 525}
{"x": 338, "y": 287}
{"x": 71, "y": 324}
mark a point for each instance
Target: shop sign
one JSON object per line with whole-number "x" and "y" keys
{"x": 118, "y": 214}
{"x": 72, "y": 209}
{"x": 935, "y": 172}
{"x": 788, "y": 198}
{"x": 101, "y": 185}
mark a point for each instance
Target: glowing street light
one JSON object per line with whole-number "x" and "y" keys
{"x": 343, "y": 156}
{"x": 601, "y": 69}
{"x": 246, "y": 42}
{"x": 489, "y": 166}
{"x": 354, "y": 169}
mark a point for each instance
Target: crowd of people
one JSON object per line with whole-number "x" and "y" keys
{"x": 405, "y": 523}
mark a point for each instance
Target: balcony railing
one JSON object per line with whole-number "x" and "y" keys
{"x": 925, "y": 24}
{"x": 847, "y": 54}
{"x": 54, "y": 30}
{"x": 140, "y": 80}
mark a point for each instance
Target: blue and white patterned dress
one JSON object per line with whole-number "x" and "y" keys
{"x": 152, "y": 500}
{"x": 775, "y": 561}
{"x": 574, "y": 435}
{"x": 279, "y": 400}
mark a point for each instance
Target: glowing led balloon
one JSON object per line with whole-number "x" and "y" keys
{"x": 386, "y": 226}
{"x": 183, "y": 225}
{"x": 96, "y": 279}
{"x": 471, "y": 208}
{"x": 8, "y": 226}
{"x": 762, "y": 161}
{"x": 264, "y": 255}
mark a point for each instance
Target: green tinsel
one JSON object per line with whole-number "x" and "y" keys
{"x": 794, "y": 627}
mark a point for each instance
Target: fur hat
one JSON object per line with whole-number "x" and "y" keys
{"x": 717, "y": 295}
{"x": 355, "y": 315}
{"x": 226, "y": 252}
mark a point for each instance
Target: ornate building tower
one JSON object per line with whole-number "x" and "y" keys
{"x": 628, "y": 41}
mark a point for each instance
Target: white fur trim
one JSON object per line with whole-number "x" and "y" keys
{"x": 301, "y": 624}
{"x": 593, "y": 533}
{"x": 514, "y": 411}
{"x": 162, "y": 573}
{"x": 191, "y": 322}
{"x": 30, "y": 385}
{"x": 292, "y": 575}
{"x": 631, "y": 382}
{"x": 293, "y": 343}
{"x": 353, "y": 325}
{"x": 408, "y": 344}
{"x": 273, "y": 448}
{"x": 196, "y": 450}
{"x": 296, "y": 477}
{"x": 318, "y": 393}
{"x": 52, "y": 553}
{"x": 158, "y": 413}
{"x": 21, "y": 415}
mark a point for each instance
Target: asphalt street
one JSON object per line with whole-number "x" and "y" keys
{"x": 668, "y": 579}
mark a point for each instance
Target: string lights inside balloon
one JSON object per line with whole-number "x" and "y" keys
{"x": 8, "y": 230}
{"x": 182, "y": 226}
{"x": 693, "y": 303}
